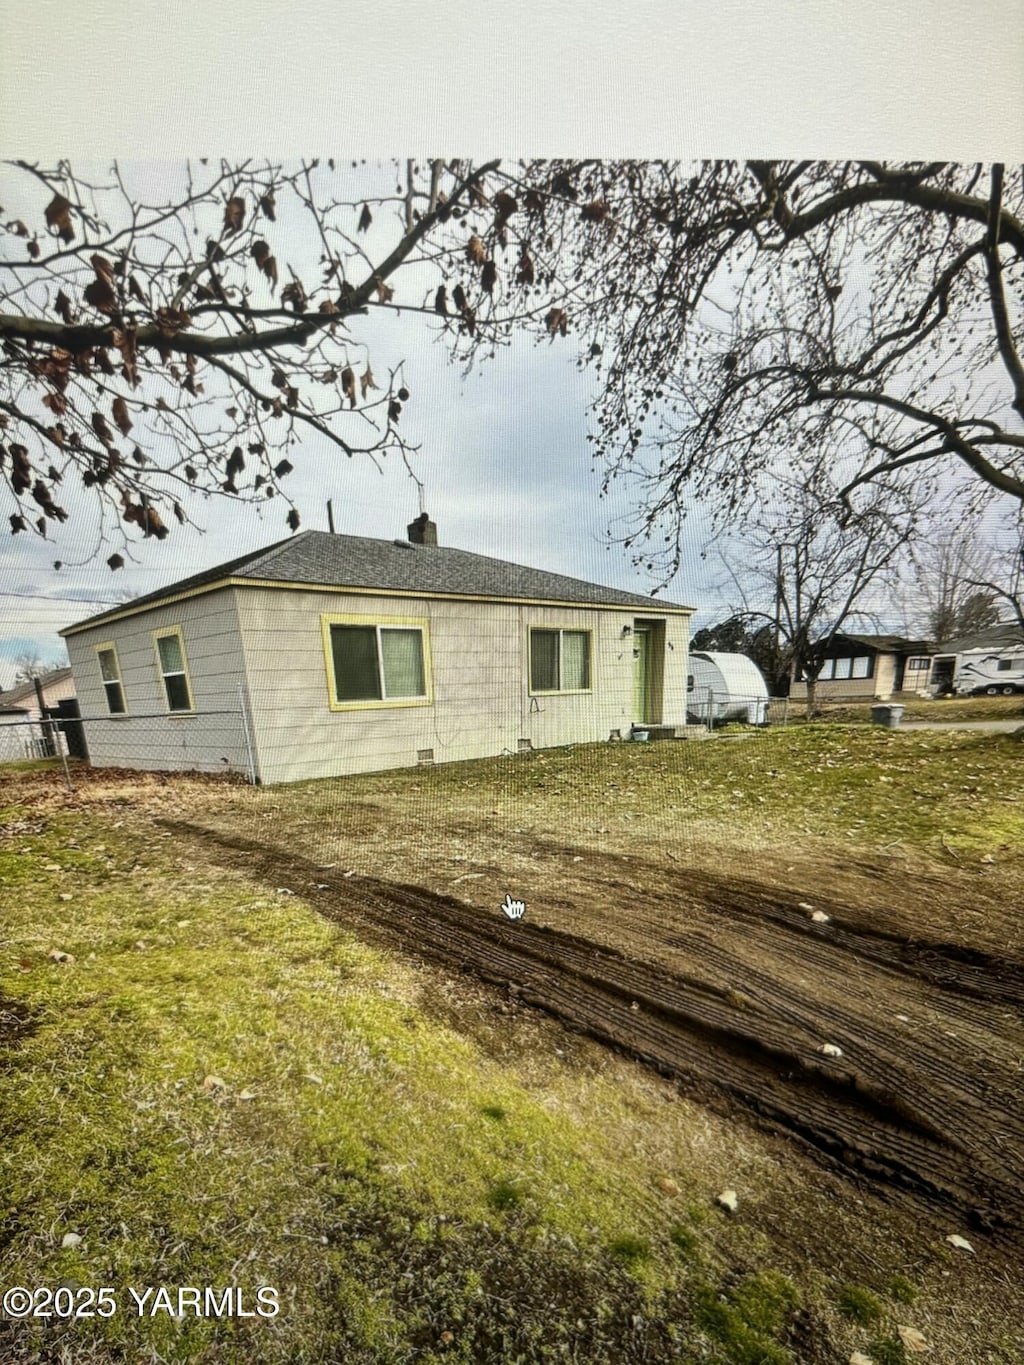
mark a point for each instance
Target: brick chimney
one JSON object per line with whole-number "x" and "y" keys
{"x": 422, "y": 531}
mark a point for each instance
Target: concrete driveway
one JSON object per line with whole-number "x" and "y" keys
{"x": 994, "y": 726}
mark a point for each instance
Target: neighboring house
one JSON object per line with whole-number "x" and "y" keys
{"x": 1002, "y": 640}
{"x": 15, "y": 733}
{"x": 326, "y": 654}
{"x": 870, "y": 666}
{"x": 58, "y": 685}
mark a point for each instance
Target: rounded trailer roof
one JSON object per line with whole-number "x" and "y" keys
{"x": 739, "y": 673}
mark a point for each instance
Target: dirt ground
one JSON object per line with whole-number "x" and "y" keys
{"x": 697, "y": 954}
{"x": 713, "y": 971}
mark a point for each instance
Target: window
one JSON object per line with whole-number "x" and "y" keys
{"x": 110, "y": 673}
{"x": 559, "y": 660}
{"x": 918, "y": 665}
{"x": 862, "y": 666}
{"x": 170, "y": 649}
{"x": 842, "y": 668}
{"x": 376, "y": 663}
{"x": 1003, "y": 665}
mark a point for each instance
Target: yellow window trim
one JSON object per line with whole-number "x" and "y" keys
{"x": 162, "y": 634}
{"x": 559, "y": 691}
{"x": 111, "y": 645}
{"x": 422, "y": 623}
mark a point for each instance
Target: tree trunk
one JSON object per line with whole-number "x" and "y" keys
{"x": 812, "y": 692}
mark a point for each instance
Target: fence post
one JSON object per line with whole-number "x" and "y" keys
{"x": 243, "y": 707}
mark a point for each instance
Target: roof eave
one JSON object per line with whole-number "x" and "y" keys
{"x": 130, "y": 609}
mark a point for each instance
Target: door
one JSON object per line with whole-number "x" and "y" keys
{"x": 641, "y": 675}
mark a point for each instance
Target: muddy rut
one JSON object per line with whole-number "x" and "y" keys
{"x": 932, "y": 1111}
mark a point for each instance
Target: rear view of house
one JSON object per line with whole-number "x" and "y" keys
{"x": 327, "y": 654}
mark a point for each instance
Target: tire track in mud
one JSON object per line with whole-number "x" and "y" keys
{"x": 949, "y": 1143}
{"x": 950, "y": 966}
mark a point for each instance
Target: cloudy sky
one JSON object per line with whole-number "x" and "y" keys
{"x": 504, "y": 463}
{"x": 504, "y": 459}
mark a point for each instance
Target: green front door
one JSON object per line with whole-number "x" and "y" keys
{"x": 641, "y": 676}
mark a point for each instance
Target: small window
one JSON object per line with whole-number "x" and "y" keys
{"x": 377, "y": 663}
{"x": 170, "y": 649}
{"x": 918, "y": 665}
{"x": 827, "y": 672}
{"x": 861, "y": 667}
{"x": 1003, "y": 665}
{"x": 559, "y": 660}
{"x": 842, "y": 668}
{"x": 110, "y": 672}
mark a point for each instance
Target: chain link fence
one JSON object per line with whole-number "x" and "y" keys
{"x": 709, "y": 707}
{"x": 193, "y": 741}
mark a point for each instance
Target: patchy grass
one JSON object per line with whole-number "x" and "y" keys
{"x": 220, "y": 1088}
{"x": 858, "y": 787}
{"x": 214, "y": 1087}
{"x": 859, "y": 1304}
{"x": 918, "y": 708}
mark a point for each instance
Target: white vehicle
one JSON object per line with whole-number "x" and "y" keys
{"x": 989, "y": 672}
{"x": 725, "y": 687}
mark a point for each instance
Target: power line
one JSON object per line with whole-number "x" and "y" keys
{"x": 55, "y": 597}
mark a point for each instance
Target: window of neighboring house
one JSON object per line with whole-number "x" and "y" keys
{"x": 110, "y": 672}
{"x": 861, "y": 667}
{"x": 170, "y": 648}
{"x": 918, "y": 665}
{"x": 842, "y": 668}
{"x": 559, "y": 660}
{"x": 377, "y": 662}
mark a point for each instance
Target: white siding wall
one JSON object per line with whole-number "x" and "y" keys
{"x": 148, "y": 736}
{"x": 481, "y": 703}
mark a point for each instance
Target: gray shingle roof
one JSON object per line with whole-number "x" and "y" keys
{"x": 319, "y": 558}
{"x": 887, "y": 644}
{"x": 1002, "y": 636}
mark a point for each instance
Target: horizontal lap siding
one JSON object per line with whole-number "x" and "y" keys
{"x": 149, "y": 737}
{"x": 481, "y": 704}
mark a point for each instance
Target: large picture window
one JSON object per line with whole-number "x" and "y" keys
{"x": 170, "y": 648}
{"x": 559, "y": 660}
{"x": 376, "y": 662}
{"x": 110, "y": 672}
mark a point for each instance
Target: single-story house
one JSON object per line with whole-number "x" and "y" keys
{"x": 57, "y": 685}
{"x": 326, "y": 654}
{"x": 859, "y": 667}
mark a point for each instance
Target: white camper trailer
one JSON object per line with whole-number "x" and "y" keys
{"x": 725, "y": 687}
{"x": 990, "y": 672}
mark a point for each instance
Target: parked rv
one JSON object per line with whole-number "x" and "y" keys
{"x": 989, "y": 672}
{"x": 725, "y": 687}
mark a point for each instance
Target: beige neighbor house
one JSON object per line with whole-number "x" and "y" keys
{"x": 56, "y": 686}
{"x": 870, "y": 667}
{"x": 327, "y": 654}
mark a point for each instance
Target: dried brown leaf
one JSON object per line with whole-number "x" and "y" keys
{"x": 234, "y": 215}
{"x": 348, "y": 385}
{"x": 475, "y": 250}
{"x": 121, "y": 417}
{"x": 58, "y": 216}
